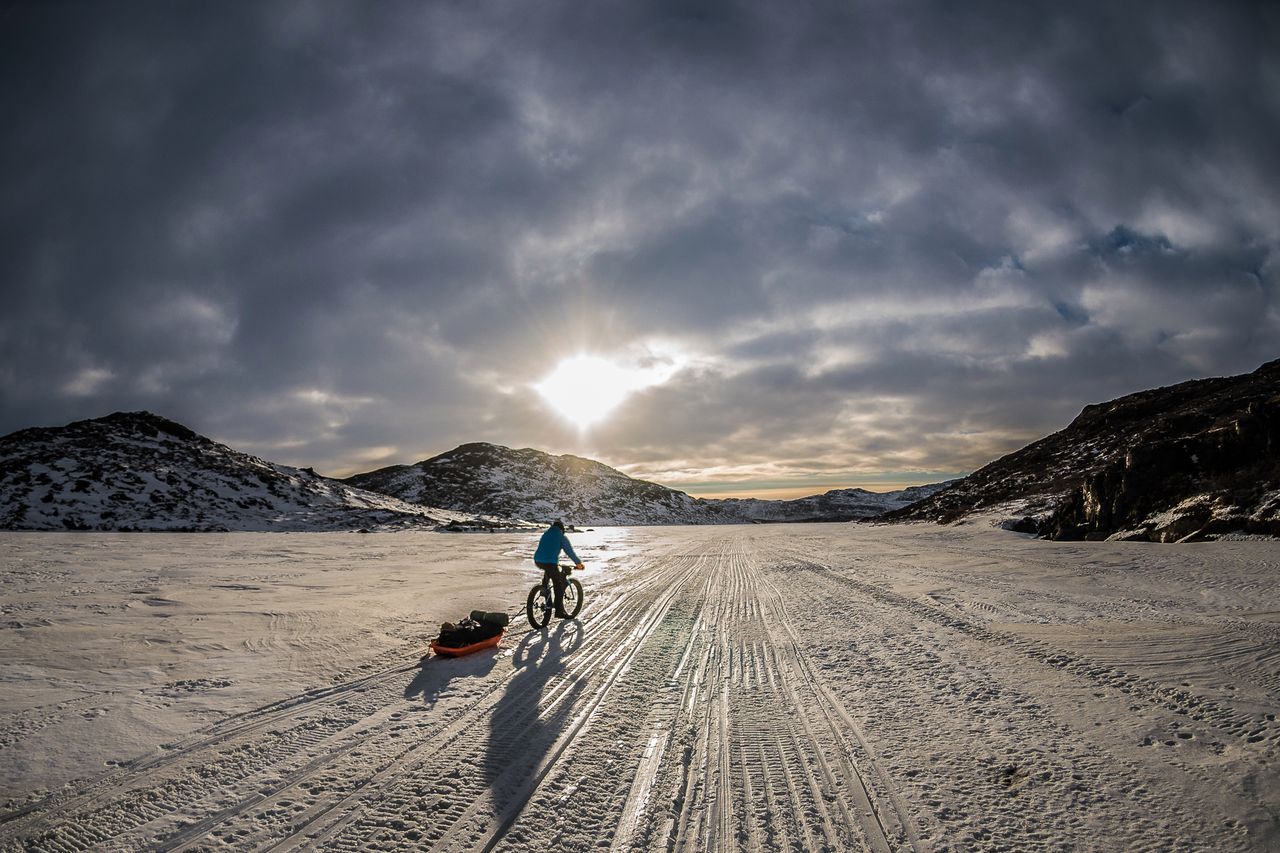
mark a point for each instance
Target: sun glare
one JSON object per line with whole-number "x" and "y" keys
{"x": 588, "y": 388}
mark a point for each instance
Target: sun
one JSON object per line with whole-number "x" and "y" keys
{"x": 587, "y": 388}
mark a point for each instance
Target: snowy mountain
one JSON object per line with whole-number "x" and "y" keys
{"x": 1190, "y": 461}
{"x": 533, "y": 485}
{"x": 530, "y": 484}
{"x": 835, "y": 505}
{"x": 139, "y": 471}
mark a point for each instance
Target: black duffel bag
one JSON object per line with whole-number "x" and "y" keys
{"x": 466, "y": 632}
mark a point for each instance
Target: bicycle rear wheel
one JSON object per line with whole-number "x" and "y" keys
{"x": 572, "y": 597}
{"x": 539, "y": 606}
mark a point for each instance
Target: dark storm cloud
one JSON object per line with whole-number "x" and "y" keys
{"x": 887, "y": 237}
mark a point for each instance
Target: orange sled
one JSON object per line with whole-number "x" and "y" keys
{"x": 459, "y": 651}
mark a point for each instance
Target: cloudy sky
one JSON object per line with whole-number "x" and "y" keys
{"x": 738, "y": 248}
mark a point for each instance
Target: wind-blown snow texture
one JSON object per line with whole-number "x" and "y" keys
{"x": 1191, "y": 461}
{"x": 765, "y": 688}
{"x": 537, "y": 486}
{"x": 138, "y": 471}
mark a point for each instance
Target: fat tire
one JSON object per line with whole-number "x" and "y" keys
{"x": 537, "y": 608}
{"x": 572, "y": 598}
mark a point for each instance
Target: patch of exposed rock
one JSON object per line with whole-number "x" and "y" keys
{"x": 1196, "y": 460}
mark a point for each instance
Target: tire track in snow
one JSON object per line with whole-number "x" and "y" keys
{"x": 881, "y": 824}
{"x": 1022, "y": 776}
{"x": 484, "y": 824}
{"x": 1248, "y": 727}
{"x": 583, "y": 781}
{"x": 431, "y": 796}
{"x": 679, "y": 714}
{"x": 738, "y": 747}
{"x": 241, "y": 775}
{"x": 152, "y": 788}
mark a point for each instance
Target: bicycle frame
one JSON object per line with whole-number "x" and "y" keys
{"x": 541, "y": 602}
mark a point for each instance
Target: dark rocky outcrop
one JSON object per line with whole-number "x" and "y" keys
{"x": 1194, "y": 460}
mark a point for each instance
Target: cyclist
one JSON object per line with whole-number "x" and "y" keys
{"x": 547, "y": 558}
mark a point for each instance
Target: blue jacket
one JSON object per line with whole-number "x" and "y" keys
{"x": 550, "y": 544}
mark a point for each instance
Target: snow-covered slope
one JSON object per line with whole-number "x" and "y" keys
{"x": 533, "y": 485}
{"x": 835, "y": 505}
{"x": 139, "y": 471}
{"x": 530, "y": 484}
{"x": 1195, "y": 460}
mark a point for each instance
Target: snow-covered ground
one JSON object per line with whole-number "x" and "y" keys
{"x": 746, "y": 687}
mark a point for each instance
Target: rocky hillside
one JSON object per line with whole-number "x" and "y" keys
{"x": 530, "y": 484}
{"x": 138, "y": 471}
{"x": 1191, "y": 461}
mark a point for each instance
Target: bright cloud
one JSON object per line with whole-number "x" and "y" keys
{"x": 587, "y": 388}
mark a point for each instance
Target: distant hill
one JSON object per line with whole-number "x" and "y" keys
{"x": 139, "y": 471}
{"x": 529, "y": 484}
{"x": 1191, "y": 461}
{"x": 835, "y": 505}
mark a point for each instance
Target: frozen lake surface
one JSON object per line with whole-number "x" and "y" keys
{"x": 782, "y": 687}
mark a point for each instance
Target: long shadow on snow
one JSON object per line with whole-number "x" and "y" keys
{"x": 436, "y": 673}
{"x": 519, "y": 737}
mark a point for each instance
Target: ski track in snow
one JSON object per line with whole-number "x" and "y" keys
{"x": 754, "y": 689}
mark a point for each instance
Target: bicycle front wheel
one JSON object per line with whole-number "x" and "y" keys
{"x": 538, "y": 607}
{"x": 572, "y": 598}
